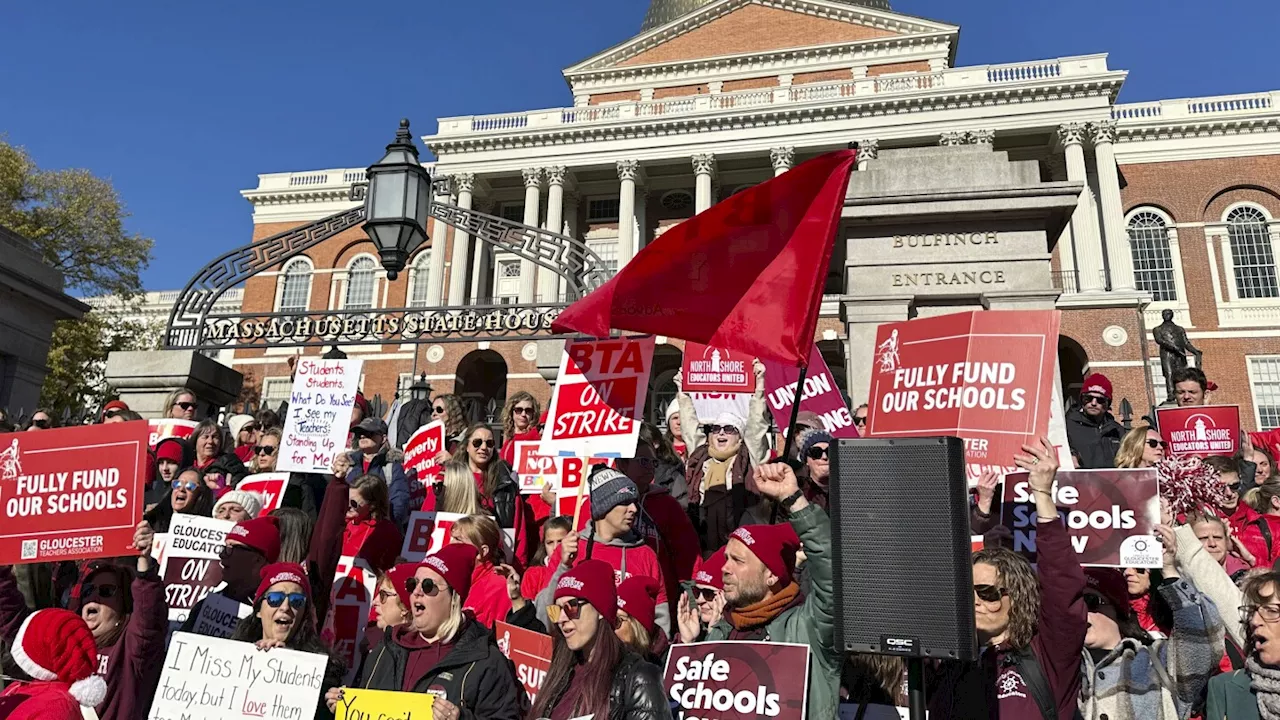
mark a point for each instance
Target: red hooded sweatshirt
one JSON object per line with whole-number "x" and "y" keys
{"x": 488, "y": 597}
{"x": 667, "y": 529}
{"x": 628, "y": 557}
{"x": 1252, "y": 538}
{"x": 378, "y": 542}
{"x": 39, "y": 701}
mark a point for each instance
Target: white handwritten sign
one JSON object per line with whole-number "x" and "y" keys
{"x": 319, "y": 419}
{"x": 191, "y": 569}
{"x": 213, "y": 679}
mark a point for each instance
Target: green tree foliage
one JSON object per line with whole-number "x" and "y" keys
{"x": 75, "y": 220}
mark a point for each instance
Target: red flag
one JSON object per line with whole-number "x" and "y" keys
{"x": 746, "y": 274}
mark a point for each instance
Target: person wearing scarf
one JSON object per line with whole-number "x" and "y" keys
{"x": 1254, "y": 692}
{"x": 720, "y": 480}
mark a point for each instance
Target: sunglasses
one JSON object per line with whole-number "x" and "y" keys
{"x": 42, "y": 423}
{"x": 478, "y": 443}
{"x": 106, "y": 592}
{"x": 522, "y": 411}
{"x": 1093, "y": 602}
{"x": 189, "y": 485}
{"x": 1098, "y": 399}
{"x": 1235, "y": 487}
{"x": 352, "y": 504}
{"x": 817, "y": 453}
{"x": 275, "y": 599}
{"x": 249, "y": 428}
{"x": 437, "y": 410}
{"x": 571, "y": 610}
{"x": 713, "y": 429}
{"x": 429, "y": 587}
{"x": 1153, "y": 444}
{"x": 112, "y": 413}
{"x": 990, "y": 593}
{"x": 229, "y": 551}
{"x": 704, "y": 594}
{"x": 860, "y": 421}
{"x": 186, "y": 405}
{"x": 264, "y": 449}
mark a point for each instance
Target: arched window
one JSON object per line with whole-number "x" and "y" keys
{"x": 1152, "y": 261}
{"x": 295, "y": 289}
{"x": 421, "y": 279}
{"x": 1255, "y": 266}
{"x": 361, "y": 277}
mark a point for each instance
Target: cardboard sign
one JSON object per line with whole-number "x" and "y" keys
{"x": 354, "y": 585}
{"x": 71, "y": 493}
{"x": 529, "y": 651}
{"x": 598, "y": 403}
{"x": 319, "y": 419}
{"x": 219, "y": 616}
{"x": 733, "y": 680}
{"x": 820, "y": 395}
{"x": 1110, "y": 515}
{"x": 716, "y": 370}
{"x": 986, "y": 377}
{"x": 268, "y": 486}
{"x": 709, "y": 406}
{"x": 191, "y": 568}
{"x": 206, "y": 678}
{"x": 536, "y": 469}
{"x": 1201, "y": 431}
{"x": 361, "y": 704}
{"x": 421, "y": 450}
{"x": 162, "y": 428}
{"x": 427, "y": 533}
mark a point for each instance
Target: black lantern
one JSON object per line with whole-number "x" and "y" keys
{"x": 398, "y": 202}
{"x": 420, "y": 390}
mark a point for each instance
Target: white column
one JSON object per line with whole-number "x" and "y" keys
{"x": 704, "y": 166}
{"x": 435, "y": 281}
{"x": 571, "y": 200}
{"x": 549, "y": 282}
{"x": 1119, "y": 254}
{"x": 532, "y": 198}
{"x": 628, "y": 171}
{"x": 868, "y": 150}
{"x": 642, "y": 213}
{"x": 782, "y": 158}
{"x": 464, "y": 183}
{"x": 1084, "y": 231}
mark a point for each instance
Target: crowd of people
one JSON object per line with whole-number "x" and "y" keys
{"x": 705, "y": 534}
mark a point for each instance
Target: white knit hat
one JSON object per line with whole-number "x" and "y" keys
{"x": 251, "y": 502}
{"x": 55, "y": 645}
{"x": 235, "y": 422}
{"x": 672, "y": 409}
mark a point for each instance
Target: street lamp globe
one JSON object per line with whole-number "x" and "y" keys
{"x": 398, "y": 202}
{"x": 420, "y": 389}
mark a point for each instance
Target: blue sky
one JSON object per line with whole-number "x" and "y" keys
{"x": 183, "y": 104}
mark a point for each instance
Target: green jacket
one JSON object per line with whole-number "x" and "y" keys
{"x": 1231, "y": 698}
{"x": 813, "y": 622}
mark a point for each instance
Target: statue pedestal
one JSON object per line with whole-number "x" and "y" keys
{"x": 145, "y": 378}
{"x": 549, "y": 354}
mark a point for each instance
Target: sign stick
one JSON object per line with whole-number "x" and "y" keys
{"x": 795, "y": 413}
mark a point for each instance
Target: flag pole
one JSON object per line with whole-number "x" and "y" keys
{"x": 795, "y": 413}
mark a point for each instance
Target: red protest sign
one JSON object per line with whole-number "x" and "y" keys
{"x": 427, "y": 533}
{"x": 716, "y": 370}
{"x": 598, "y": 402}
{"x": 354, "y": 585}
{"x": 535, "y": 469}
{"x": 1110, "y": 515}
{"x": 986, "y": 377}
{"x": 1202, "y": 430}
{"x": 422, "y": 448}
{"x": 529, "y": 651}
{"x": 71, "y": 493}
{"x": 170, "y": 428}
{"x": 733, "y": 680}
{"x": 268, "y": 486}
{"x": 820, "y": 395}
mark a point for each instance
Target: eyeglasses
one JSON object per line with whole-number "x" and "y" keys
{"x": 264, "y": 449}
{"x": 1153, "y": 444}
{"x": 571, "y": 610}
{"x": 1093, "y": 601}
{"x": 106, "y": 592}
{"x": 185, "y": 405}
{"x": 704, "y": 594}
{"x": 437, "y": 410}
{"x": 1098, "y": 399}
{"x": 385, "y": 595}
{"x": 1269, "y": 613}
{"x": 990, "y": 593}
{"x": 859, "y": 421}
{"x": 429, "y": 587}
{"x": 817, "y": 453}
{"x": 522, "y": 411}
{"x": 713, "y": 429}
{"x": 478, "y": 443}
{"x": 229, "y": 551}
{"x": 189, "y": 485}
{"x": 297, "y": 601}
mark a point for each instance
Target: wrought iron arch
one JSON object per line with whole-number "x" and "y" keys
{"x": 194, "y": 325}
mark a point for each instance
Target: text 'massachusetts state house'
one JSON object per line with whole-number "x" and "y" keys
{"x": 1022, "y": 185}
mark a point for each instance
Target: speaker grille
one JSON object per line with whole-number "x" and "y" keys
{"x": 903, "y": 569}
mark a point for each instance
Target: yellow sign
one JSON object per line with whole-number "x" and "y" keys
{"x": 358, "y": 704}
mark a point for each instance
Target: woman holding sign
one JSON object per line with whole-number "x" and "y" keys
{"x": 499, "y": 493}
{"x": 519, "y": 424}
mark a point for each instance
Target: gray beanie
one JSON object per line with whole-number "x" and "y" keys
{"x": 808, "y": 438}
{"x": 609, "y": 489}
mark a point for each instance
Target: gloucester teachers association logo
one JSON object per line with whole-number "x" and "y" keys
{"x": 10, "y": 462}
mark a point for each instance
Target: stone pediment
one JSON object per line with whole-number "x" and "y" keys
{"x": 744, "y": 27}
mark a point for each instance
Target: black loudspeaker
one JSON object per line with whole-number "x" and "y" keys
{"x": 903, "y": 568}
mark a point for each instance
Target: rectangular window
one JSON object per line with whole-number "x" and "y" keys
{"x": 1264, "y": 382}
{"x": 513, "y": 211}
{"x": 608, "y": 252}
{"x": 601, "y": 210}
{"x": 1153, "y": 264}
{"x": 275, "y": 390}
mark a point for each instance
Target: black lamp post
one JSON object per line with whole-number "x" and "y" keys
{"x": 420, "y": 389}
{"x": 398, "y": 202}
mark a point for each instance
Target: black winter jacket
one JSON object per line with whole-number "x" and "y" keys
{"x": 1095, "y": 442}
{"x": 475, "y": 675}
{"x": 637, "y": 692}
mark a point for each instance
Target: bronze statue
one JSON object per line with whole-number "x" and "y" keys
{"x": 1174, "y": 348}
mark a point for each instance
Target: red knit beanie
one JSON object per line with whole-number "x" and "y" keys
{"x": 169, "y": 449}
{"x": 638, "y": 597}
{"x": 710, "y": 572}
{"x": 279, "y": 573}
{"x": 592, "y": 580}
{"x": 455, "y": 563}
{"x": 56, "y": 646}
{"x": 397, "y": 577}
{"x": 1096, "y": 384}
{"x": 775, "y": 545}
{"x": 261, "y": 534}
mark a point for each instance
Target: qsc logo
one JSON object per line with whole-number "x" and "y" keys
{"x": 898, "y": 645}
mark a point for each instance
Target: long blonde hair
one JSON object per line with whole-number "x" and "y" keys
{"x": 1259, "y": 498}
{"x": 460, "y": 492}
{"x": 1132, "y": 446}
{"x": 482, "y": 531}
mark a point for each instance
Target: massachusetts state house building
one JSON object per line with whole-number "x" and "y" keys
{"x": 1020, "y": 185}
